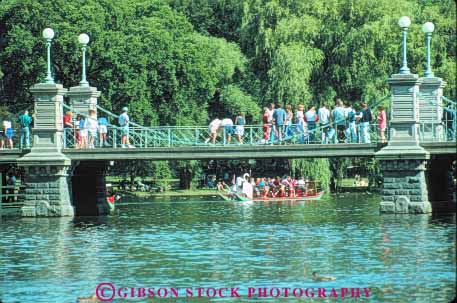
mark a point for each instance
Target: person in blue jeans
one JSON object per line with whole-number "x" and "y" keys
{"x": 365, "y": 123}
{"x": 279, "y": 117}
{"x": 311, "y": 118}
{"x": 351, "y": 134}
{"x": 25, "y": 120}
{"x": 449, "y": 121}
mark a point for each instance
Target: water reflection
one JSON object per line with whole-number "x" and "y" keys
{"x": 222, "y": 244}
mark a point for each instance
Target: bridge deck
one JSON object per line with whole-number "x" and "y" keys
{"x": 226, "y": 152}
{"x": 231, "y": 152}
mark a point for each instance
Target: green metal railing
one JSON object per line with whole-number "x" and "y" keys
{"x": 173, "y": 136}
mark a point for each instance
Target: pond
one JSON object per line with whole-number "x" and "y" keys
{"x": 191, "y": 242}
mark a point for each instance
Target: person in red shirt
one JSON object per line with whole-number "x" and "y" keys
{"x": 68, "y": 126}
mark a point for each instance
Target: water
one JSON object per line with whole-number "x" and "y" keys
{"x": 407, "y": 258}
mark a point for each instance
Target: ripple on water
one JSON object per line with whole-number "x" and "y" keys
{"x": 220, "y": 244}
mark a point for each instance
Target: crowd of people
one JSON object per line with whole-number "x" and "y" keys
{"x": 90, "y": 131}
{"x": 265, "y": 187}
{"x": 340, "y": 123}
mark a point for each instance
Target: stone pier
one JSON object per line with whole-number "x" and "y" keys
{"x": 403, "y": 161}
{"x": 46, "y": 169}
{"x": 83, "y": 98}
{"x": 405, "y": 187}
{"x": 47, "y": 191}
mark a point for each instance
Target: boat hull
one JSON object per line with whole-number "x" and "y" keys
{"x": 317, "y": 196}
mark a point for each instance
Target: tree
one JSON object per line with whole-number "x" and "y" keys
{"x": 313, "y": 169}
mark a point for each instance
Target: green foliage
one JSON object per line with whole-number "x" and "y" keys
{"x": 142, "y": 54}
{"x": 234, "y": 100}
{"x": 313, "y": 169}
{"x": 188, "y": 173}
{"x": 142, "y": 168}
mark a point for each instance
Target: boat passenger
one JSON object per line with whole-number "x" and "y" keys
{"x": 302, "y": 186}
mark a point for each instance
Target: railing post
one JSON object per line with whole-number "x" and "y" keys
{"x": 146, "y": 138}
{"x": 250, "y": 136}
{"x": 114, "y": 138}
{"x": 197, "y": 135}
{"x": 169, "y": 137}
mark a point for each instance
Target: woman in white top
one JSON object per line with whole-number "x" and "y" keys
{"x": 7, "y": 133}
{"x": 92, "y": 127}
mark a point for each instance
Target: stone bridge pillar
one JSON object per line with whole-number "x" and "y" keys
{"x": 46, "y": 168}
{"x": 430, "y": 109}
{"x": 83, "y": 99}
{"x": 403, "y": 160}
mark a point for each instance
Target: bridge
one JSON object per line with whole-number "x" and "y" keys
{"x": 59, "y": 179}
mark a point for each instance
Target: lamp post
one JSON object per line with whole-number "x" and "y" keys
{"x": 428, "y": 29}
{"x": 48, "y": 34}
{"x": 83, "y": 39}
{"x": 404, "y": 22}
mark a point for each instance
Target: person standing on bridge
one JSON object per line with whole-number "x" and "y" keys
{"x": 365, "y": 123}
{"x": 339, "y": 120}
{"x": 311, "y": 118}
{"x": 301, "y": 123}
{"x": 213, "y": 130}
{"x": 124, "y": 121}
{"x": 279, "y": 116}
{"x": 382, "y": 123}
{"x": 25, "y": 120}
{"x": 67, "y": 127}
{"x": 8, "y": 132}
{"x": 227, "y": 123}
{"x": 240, "y": 122}
{"x": 324, "y": 122}
{"x": 351, "y": 132}
{"x": 288, "y": 131}
{"x": 92, "y": 127}
{"x": 266, "y": 125}
{"x": 83, "y": 132}
{"x": 271, "y": 123}
{"x": 449, "y": 121}
{"x": 102, "y": 131}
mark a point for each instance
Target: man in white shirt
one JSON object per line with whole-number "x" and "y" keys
{"x": 214, "y": 129}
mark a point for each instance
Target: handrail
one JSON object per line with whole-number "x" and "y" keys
{"x": 117, "y": 116}
{"x": 449, "y": 100}
{"x": 432, "y": 102}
